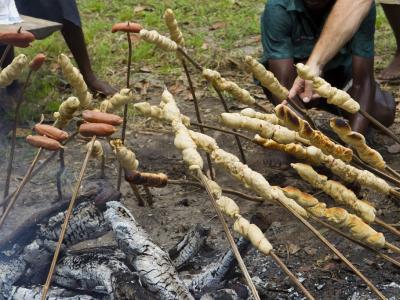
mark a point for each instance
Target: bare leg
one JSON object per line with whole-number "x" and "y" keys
{"x": 392, "y": 13}
{"x": 75, "y": 40}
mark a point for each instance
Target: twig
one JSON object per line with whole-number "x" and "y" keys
{"x": 20, "y": 187}
{"x": 59, "y": 174}
{"x": 197, "y": 109}
{"x": 103, "y": 166}
{"x": 14, "y": 134}
{"x": 150, "y": 201}
{"x": 202, "y": 178}
{"x": 291, "y": 275}
{"x": 387, "y": 226}
{"x": 392, "y": 247}
{"x": 66, "y": 220}
{"x": 382, "y": 255}
{"x": 128, "y": 84}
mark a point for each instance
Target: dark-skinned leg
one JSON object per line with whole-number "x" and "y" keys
{"x": 392, "y": 72}
{"x": 75, "y": 40}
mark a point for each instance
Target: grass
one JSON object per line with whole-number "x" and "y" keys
{"x": 108, "y": 51}
{"x": 239, "y": 19}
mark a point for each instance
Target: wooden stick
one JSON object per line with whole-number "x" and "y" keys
{"x": 226, "y": 108}
{"x": 227, "y": 191}
{"x": 20, "y": 187}
{"x": 392, "y": 247}
{"x": 378, "y": 124}
{"x": 333, "y": 249}
{"x": 350, "y": 238}
{"x": 197, "y": 109}
{"x": 392, "y": 171}
{"x": 59, "y": 174}
{"x": 202, "y": 178}
{"x": 292, "y": 277}
{"x": 303, "y": 111}
{"x": 66, "y": 220}
{"x": 223, "y": 130}
{"x": 135, "y": 190}
{"x": 221, "y": 97}
{"x": 149, "y": 196}
{"x": 128, "y": 84}
{"x": 14, "y": 134}
{"x": 388, "y": 227}
{"x": 363, "y": 165}
{"x": 40, "y": 167}
{"x": 4, "y": 55}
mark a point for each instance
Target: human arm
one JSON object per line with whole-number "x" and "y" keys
{"x": 340, "y": 26}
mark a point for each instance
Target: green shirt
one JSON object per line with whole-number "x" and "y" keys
{"x": 289, "y": 31}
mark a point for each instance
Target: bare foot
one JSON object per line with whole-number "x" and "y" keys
{"x": 99, "y": 86}
{"x": 392, "y": 72}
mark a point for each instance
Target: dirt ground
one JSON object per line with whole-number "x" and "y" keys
{"x": 178, "y": 208}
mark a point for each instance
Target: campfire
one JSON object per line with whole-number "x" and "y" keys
{"x": 37, "y": 261}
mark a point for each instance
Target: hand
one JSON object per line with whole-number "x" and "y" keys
{"x": 304, "y": 88}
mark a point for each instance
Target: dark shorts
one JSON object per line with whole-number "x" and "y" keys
{"x": 52, "y": 10}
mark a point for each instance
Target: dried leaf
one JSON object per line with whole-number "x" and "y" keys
{"x": 310, "y": 251}
{"x": 145, "y": 69}
{"x": 393, "y": 149}
{"x": 293, "y": 248}
{"x": 217, "y": 25}
{"x": 140, "y": 8}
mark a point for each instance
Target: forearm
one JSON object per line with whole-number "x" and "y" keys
{"x": 342, "y": 23}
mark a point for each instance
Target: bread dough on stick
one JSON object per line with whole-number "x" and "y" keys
{"x": 75, "y": 79}
{"x": 338, "y": 217}
{"x": 172, "y": 24}
{"x": 357, "y": 141}
{"x": 159, "y": 40}
{"x": 126, "y": 157}
{"x": 13, "y": 70}
{"x": 228, "y": 86}
{"x": 265, "y": 129}
{"x": 266, "y": 78}
{"x": 118, "y": 100}
{"x": 251, "y": 113}
{"x": 333, "y": 95}
{"x": 316, "y": 137}
{"x": 337, "y": 191}
{"x": 66, "y": 112}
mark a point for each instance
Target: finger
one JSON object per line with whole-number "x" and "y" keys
{"x": 296, "y": 88}
{"x": 308, "y": 91}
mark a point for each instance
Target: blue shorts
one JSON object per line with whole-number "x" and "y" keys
{"x": 52, "y": 10}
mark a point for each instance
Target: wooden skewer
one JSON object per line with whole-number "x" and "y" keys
{"x": 66, "y": 220}
{"x": 20, "y": 187}
{"x": 387, "y": 226}
{"x": 197, "y": 110}
{"x": 14, "y": 134}
{"x": 335, "y": 251}
{"x": 221, "y": 97}
{"x": 378, "y": 124}
{"x": 392, "y": 247}
{"x": 334, "y": 229}
{"x": 4, "y": 55}
{"x": 135, "y": 190}
{"x": 222, "y": 130}
{"x": 59, "y": 174}
{"x": 128, "y": 84}
{"x": 227, "y": 191}
{"x": 202, "y": 178}
{"x": 392, "y": 171}
{"x": 292, "y": 277}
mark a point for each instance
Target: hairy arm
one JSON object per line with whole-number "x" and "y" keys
{"x": 363, "y": 90}
{"x": 342, "y": 23}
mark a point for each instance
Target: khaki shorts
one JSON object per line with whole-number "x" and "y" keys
{"x": 388, "y": 2}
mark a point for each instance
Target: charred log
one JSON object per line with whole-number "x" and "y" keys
{"x": 189, "y": 246}
{"x": 55, "y": 293}
{"x": 148, "y": 259}
{"x": 100, "y": 271}
{"x": 216, "y": 274}
{"x": 24, "y": 224}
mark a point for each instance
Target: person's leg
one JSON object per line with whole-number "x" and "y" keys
{"x": 75, "y": 40}
{"x": 392, "y": 12}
